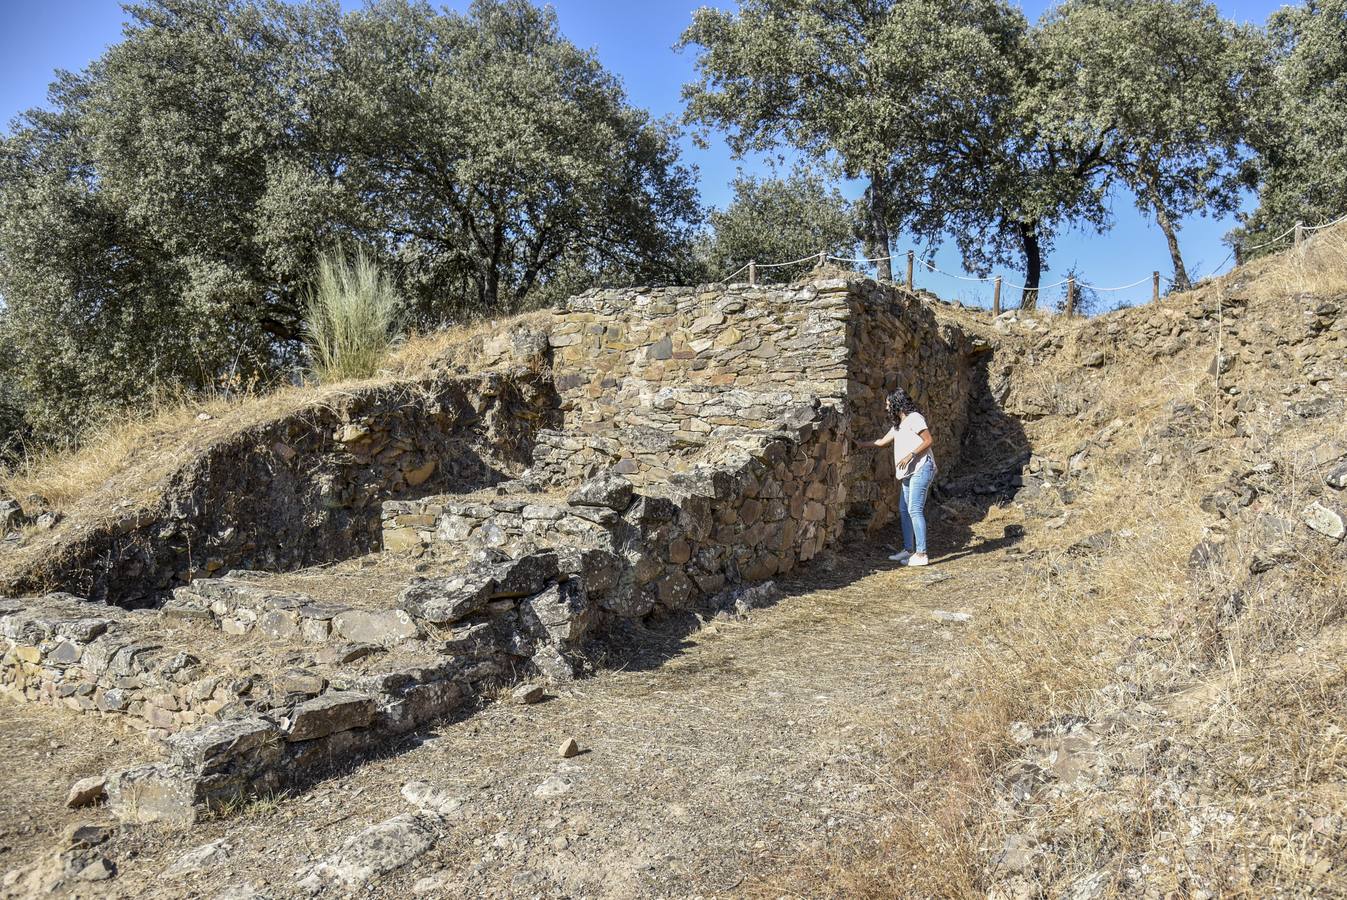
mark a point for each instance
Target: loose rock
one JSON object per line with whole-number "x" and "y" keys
{"x": 527, "y": 694}
{"x": 428, "y": 798}
{"x": 1325, "y": 520}
{"x": 375, "y": 851}
{"x": 87, "y": 792}
{"x": 611, "y": 491}
{"x": 554, "y": 786}
{"x": 199, "y": 859}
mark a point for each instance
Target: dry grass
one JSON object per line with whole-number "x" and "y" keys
{"x": 1318, "y": 267}
{"x": 1259, "y": 761}
{"x": 61, "y": 477}
{"x": 469, "y": 346}
{"x": 1051, "y": 645}
{"x": 142, "y": 446}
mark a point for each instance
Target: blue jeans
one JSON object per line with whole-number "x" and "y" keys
{"x": 912, "y": 512}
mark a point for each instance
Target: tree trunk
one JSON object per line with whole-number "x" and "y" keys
{"x": 1033, "y": 264}
{"x": 1181, "y": 282}
{"x": 878, "y": 238}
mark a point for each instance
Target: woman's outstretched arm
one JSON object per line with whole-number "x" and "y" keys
{"x": 882, "y": 442}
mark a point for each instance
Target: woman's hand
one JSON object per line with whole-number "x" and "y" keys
{"x": 905, "y": 461}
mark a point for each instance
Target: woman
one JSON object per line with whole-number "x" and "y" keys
{"x": 914, "y": 464}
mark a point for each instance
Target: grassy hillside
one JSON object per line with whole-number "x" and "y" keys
{"x": 1158, "y": 707}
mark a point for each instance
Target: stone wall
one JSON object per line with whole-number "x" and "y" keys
{"x": 686, "y": 443}
{"x": 690, "y": 361}
{"x": 759, "y": 505}
{"x": 230, "y": 733}
{"x": 649, "y": 378}
{"x": 894, "y": 340}
{"x": 305, "y": 487}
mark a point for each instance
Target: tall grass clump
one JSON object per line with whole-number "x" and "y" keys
{"x": 352, "y": 317}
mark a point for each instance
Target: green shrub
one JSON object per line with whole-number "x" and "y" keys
{"x": 352, "y": 317}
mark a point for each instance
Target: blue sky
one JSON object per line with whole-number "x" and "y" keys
{"x": 635, "y": 40}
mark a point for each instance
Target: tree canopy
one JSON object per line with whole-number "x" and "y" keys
{"x": 877, "y": 86}
{"x": 161, "y": 219}
{"x": 775, "y": 220}
{"x": 1301, "y": 128}
{"x": 965, "y": 122}
{"x": 1165, "y": 88}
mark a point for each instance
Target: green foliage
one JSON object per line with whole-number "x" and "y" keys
{"x": 1086, "y": 301}
{"x": 774, "y": 220}
{"x": 1165, "y": 88}
{"x": 160, "y": 221}
{"x": 966, "y": 122}
{"x": 14, "y": 431}
{"x": 351, "y": 317}
{"x": 1301, "y": 136}
{"x": 880, "y": 87}
{"x": 502, "y": 157}
{"x": 933, "y": 102}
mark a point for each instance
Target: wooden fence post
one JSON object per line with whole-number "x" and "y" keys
{"x": 910, "y": 256}
{"x": 1155, "y": 287}
{"x": 752, "y": 272}
{"x": 1070, "y": 296}
{"x": 996, "y": 297}
{"x": 1300, "y": 233}
{"x": 822, "y": 258}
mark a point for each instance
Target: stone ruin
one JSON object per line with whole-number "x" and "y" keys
{"x": 646, "y": 453}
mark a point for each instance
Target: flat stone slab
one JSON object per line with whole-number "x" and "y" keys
{"x": 373, "y": 852}
{"x": 330, "y": 713}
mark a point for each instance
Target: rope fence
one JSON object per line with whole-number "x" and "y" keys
{"x": 1073, "y": 286}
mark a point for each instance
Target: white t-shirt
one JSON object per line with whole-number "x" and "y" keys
{"x": 904, "y": 437}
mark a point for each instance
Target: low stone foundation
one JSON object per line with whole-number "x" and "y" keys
{"x": 230, "y": 734}
{"x": 770, "y": 502}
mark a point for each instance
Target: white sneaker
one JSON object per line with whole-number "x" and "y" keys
{"x": 918, "y": 559}
{"x": 901, "y": 557}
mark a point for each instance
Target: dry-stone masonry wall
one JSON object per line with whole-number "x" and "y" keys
{"x": 755, "y": 506}
{"x": 649, "y": 378}
{"x": 236, "y": 721}
{"x": 894, "y": 340}
{"x": 306, "y": 487}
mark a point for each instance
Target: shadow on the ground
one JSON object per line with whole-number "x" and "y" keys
{"x": 994, "y": 454}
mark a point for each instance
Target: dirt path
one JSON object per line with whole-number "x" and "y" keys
{"x": 709, "y": 758}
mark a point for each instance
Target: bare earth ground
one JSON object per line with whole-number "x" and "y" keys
{"x": 711, "y": 758}
{"x": 43, "y": 750}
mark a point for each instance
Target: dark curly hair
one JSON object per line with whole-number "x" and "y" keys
{"x": 900, "y": 404}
